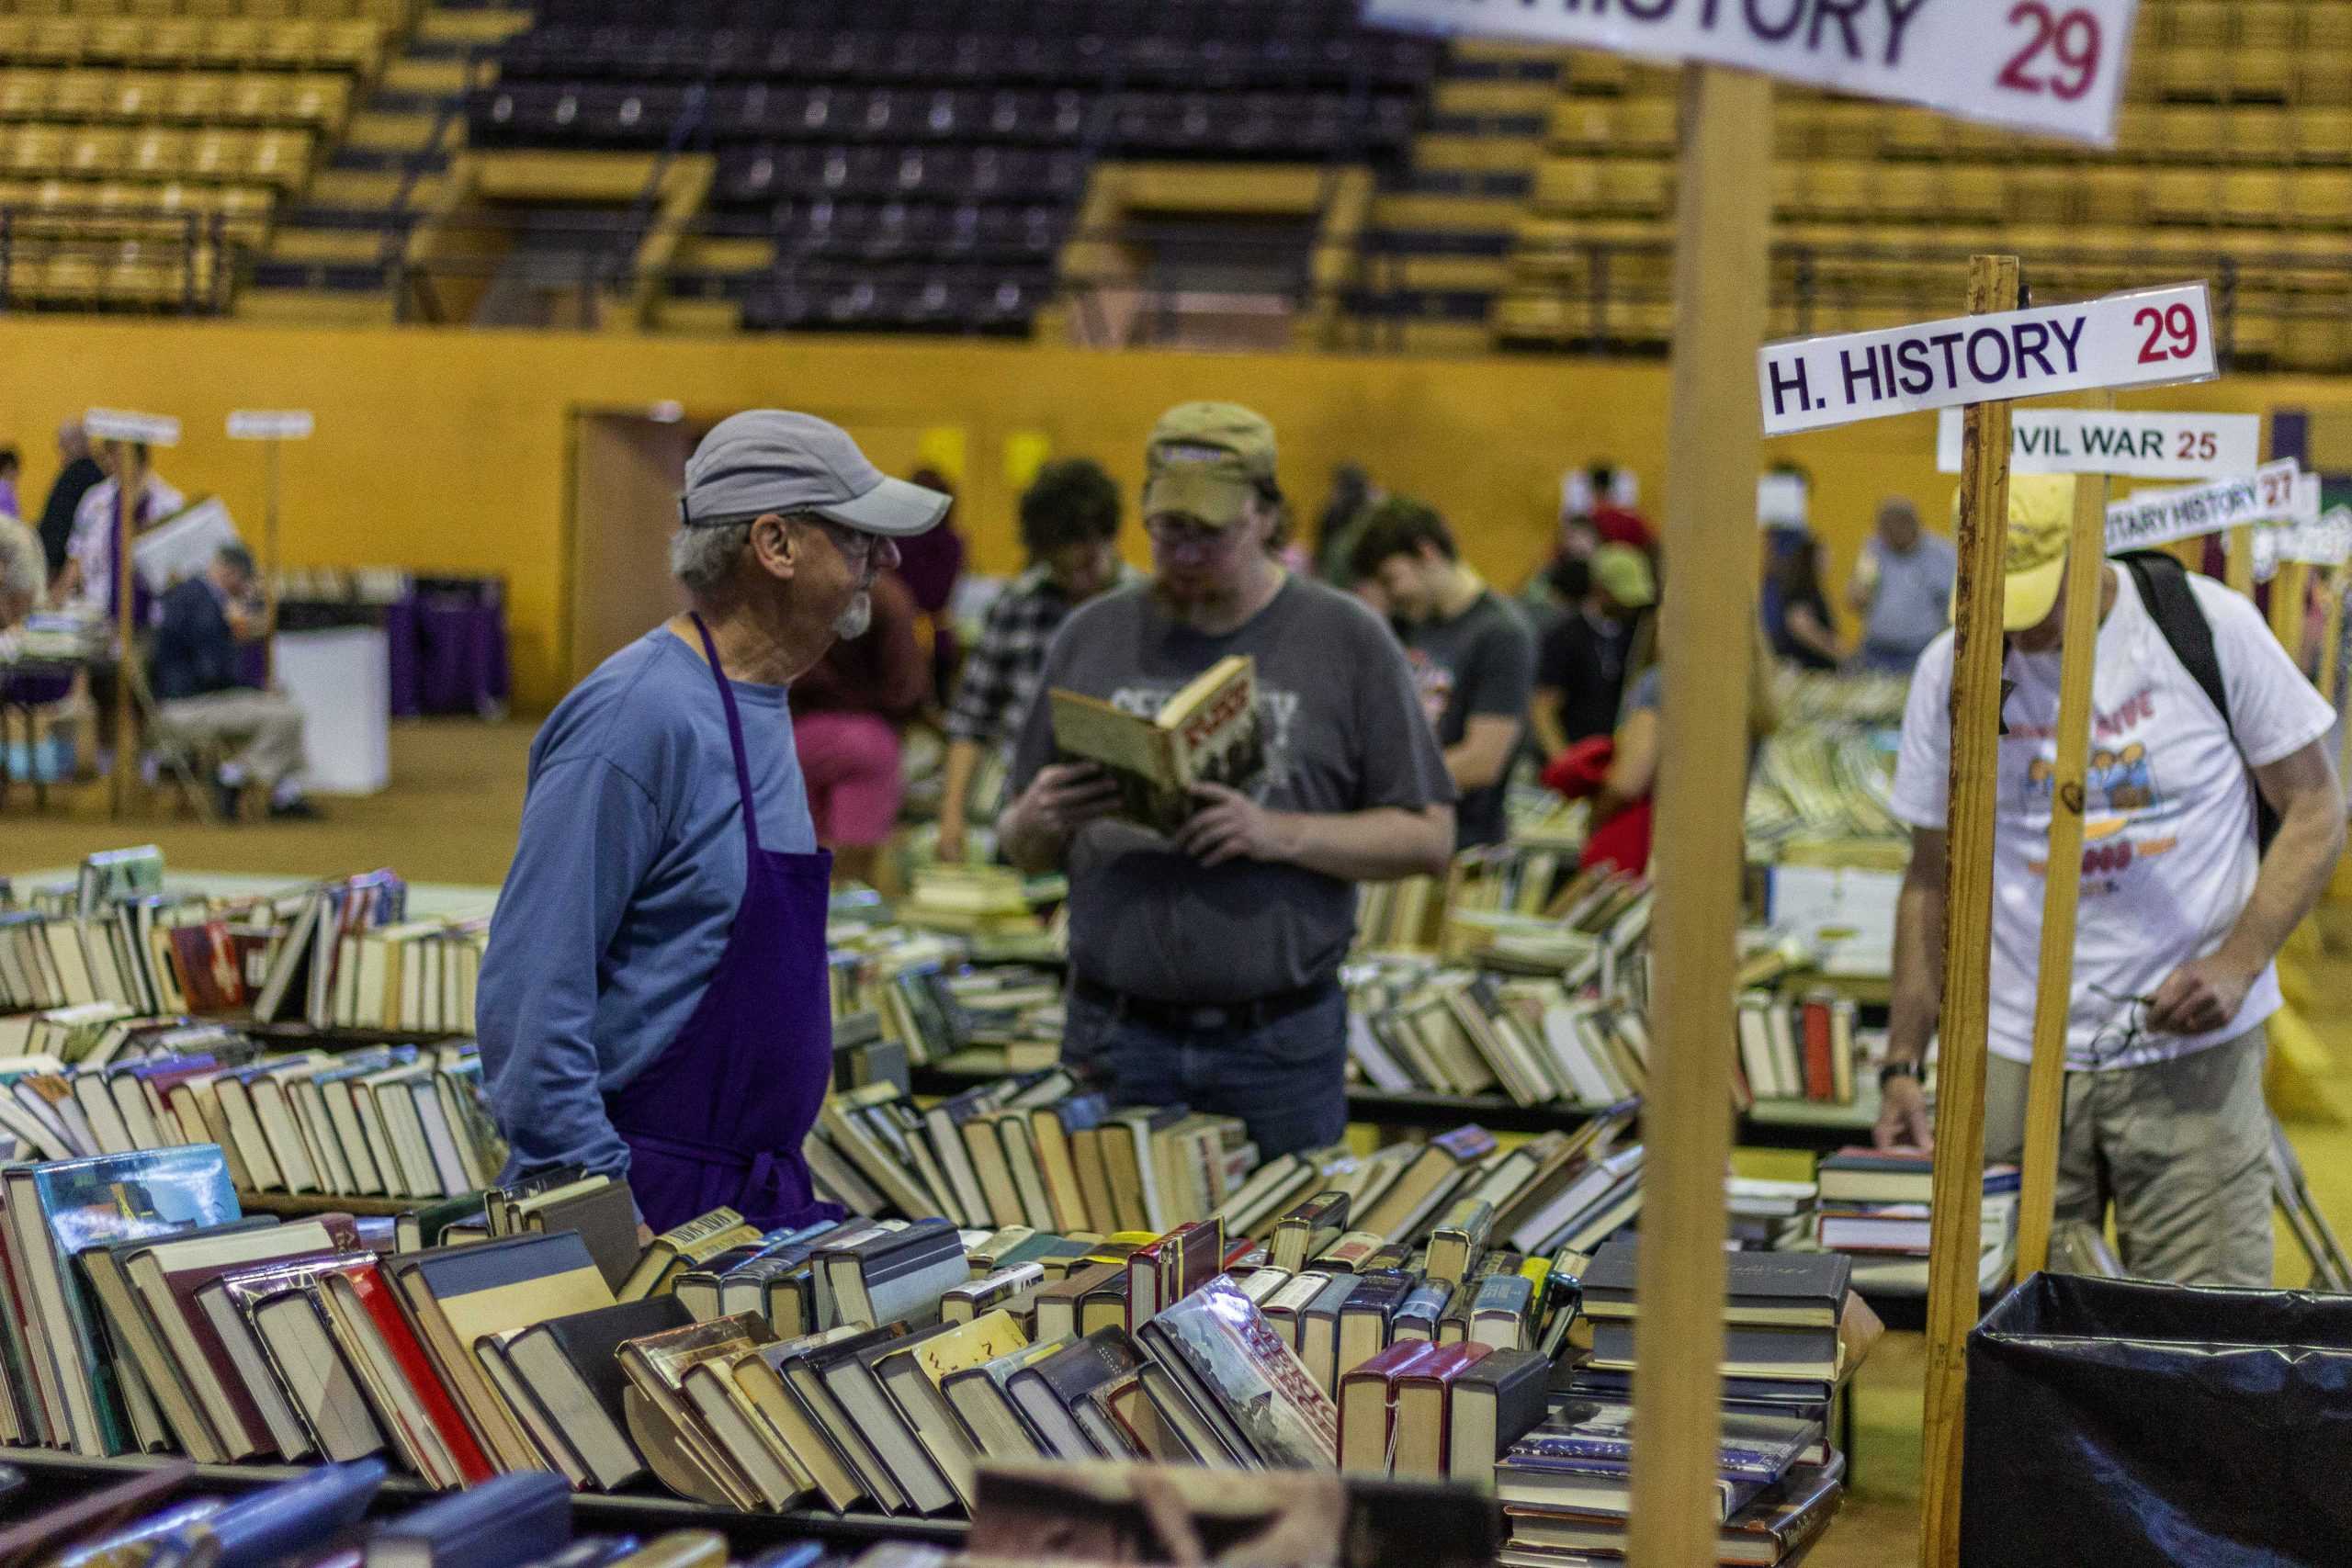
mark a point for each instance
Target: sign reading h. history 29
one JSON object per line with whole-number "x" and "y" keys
{"x": 2156, "y": 336}
{"x": 2049, "y": 65}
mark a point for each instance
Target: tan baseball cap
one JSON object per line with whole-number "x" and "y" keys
{"x": 1624, "y": 573}
{"x": 2041, "y": 515}
{"x": 1206, "y": 460}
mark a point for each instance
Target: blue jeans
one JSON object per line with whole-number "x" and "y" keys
{"x": 1287, "y": 1080}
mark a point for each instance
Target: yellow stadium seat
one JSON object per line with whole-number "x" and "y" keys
{"x": 147, "y": 274}
{"x": 55, "y": 39}
{"x": 1916, "y": 134}
{"x": 2139, "y": 130}
{"x": 279, "y": 157}
{"x": 24, "y": 94}
{"x": 36, "y": 151}
{"x": 2323, "y": 79}
{"x": 93, "y": 152}
{"x": 157, "y": 154}
{"x": 1839, "y": 190}
{"x": 228, "y": 44}
{"x": 212, "y": 9}
{"x": 2192, "y": 76}
{"x": 1648, "y": 125}
{"x": 2320, "y": 198}
{"x": 2182, "y": 196}
{"x": 355, "y": 46}
{"x": 2327, "y": 31}
{"x": 2115, "y": 197}
{"x": 44, "y": 7}
{"x": 2251, "y": 333}
{"x": 314, "y": 100}
{"x": 1589, "y": 71}
{"x": 1843, "y": 129}
{"x": 178, "y": 43}
{"x": 2254, "y": 198}
{"x": 2264, "y": 135}
{"x": 218, "y": 154}
{"x": 1906, "y": 193}
{"x": 2195, "y": 25}
{"x": 1637, "y": 186}
{"x": 1568, "y": 185}
{"x": 244, "y": 213}
{"x": 2268, "y": 23}
{"x": 115, "y": 41}
{"x": 2311, "y": 340}
{"x": 252, "y": 98}
{"x": 2188, "y": 133}
{"x": 70, "y": 276}
{"x": 1975, "y": 192}
{"x": 197, "y": 96}
{"x": 2321, "y": 136}
{"x": 140, "y": 95}
{"x": 1584, "y": 125}
{"x": 2042, "y": 195}
{"x": 81, "y": 94}
{"x": 154, "y": 10}
{"x": 290, "y": 44}
{"x": 2266, "y": 75}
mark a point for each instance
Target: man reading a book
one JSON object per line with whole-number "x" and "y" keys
{"x": 2198, "y": 714}
{"x": 1473, "y": 655}
{"x": 654, "y": 1001}
{"x": 1205, "y": 960}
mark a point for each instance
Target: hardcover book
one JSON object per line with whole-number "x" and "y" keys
{"x": 1208, "y": 732}
{"x": 1219, "y": 1339}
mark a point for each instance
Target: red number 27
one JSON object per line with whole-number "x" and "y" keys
{"x": 2072, "y": 37}
{"x": 2172, "y": 333}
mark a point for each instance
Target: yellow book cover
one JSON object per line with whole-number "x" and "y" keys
{"x": 984, "y": 1338}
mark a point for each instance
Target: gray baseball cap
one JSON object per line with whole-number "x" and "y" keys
{"x": 768, "y": 460}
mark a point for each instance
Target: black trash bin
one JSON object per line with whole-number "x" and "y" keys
{"x": 2120, "y": 1423}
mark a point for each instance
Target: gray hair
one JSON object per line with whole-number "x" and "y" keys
{"x": 703, "y": 556}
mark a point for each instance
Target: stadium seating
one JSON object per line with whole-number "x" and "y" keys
{"x": 918, "y": 166}
{"x": 2233, "y": 162}
{"x": 143, "y": 143}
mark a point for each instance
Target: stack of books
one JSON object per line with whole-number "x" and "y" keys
{"x": 1792, "y": 1331}
{"x": 1457, "y": 1032}
{"x": 1877, "y": 1205}
{"x": 1798, "y": 1047}
{"x": 1771, "y": 1216}
{"x": 392, "y": 1122}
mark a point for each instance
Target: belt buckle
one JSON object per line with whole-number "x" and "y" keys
{"x": 1209, "y": 1017}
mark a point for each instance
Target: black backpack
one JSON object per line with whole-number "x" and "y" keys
{"x": 2164, "y": 588}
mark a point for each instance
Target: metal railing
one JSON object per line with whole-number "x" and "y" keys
{"x": 160, "y": 260}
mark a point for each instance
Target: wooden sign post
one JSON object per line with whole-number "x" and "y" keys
{"x": 273, "y": 428}
{"x": 1977, "y": 646}
{"x": 124, "y": 433}
{"x": 1713, "y": 453}
{"x": 2054, "y": 1003}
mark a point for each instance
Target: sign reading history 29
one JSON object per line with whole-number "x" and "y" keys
{"x": 2047, "y": 65}
{"x": 2153, "y": 337}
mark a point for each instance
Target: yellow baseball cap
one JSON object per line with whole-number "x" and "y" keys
{"x": 2041, "y": 515}
{"x": 1206, "y": 460}
{"x": 1624, "y": 573}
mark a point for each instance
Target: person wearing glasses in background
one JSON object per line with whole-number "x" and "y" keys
{"x": 2181, "y": 915}
{"x": 1204, "y": 966}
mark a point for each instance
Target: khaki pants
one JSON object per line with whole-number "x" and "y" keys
{"x": 2181, "y": 1148}
{"x": 263, "y": 730}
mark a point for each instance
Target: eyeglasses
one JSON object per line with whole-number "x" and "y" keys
{"x": 2122, "y": 1034}
{"x": 856, "y": 545}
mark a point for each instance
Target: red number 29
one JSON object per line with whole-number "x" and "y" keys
{"x": 2175, "y": 322}
{"x": 2072, "y": 36}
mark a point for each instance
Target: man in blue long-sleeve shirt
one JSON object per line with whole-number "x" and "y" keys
{"x": 201, "y": 697}
{"x": 654, "y": 1000}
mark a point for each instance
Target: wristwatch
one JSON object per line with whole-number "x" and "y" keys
{"x": 1897, "y": 1070}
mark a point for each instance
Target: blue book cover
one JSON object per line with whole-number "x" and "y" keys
{"x": 110, "y": 1197}
{"x": 263, "y": 1527}
{"x": 502, "y": 1523}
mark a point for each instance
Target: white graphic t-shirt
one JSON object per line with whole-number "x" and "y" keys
{"x": 2168, "y": 850}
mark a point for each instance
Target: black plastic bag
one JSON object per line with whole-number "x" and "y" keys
{"x": 2118, "y": 1424}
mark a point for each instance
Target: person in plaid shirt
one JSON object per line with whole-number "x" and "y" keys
{"x": 1070, "y": 525}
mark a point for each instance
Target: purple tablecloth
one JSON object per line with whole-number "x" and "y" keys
{"x": 36, "y": 687}
{"x": 446, "y": 653}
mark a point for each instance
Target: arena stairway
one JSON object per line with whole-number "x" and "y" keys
{"x": 325, "y": 259}
{"x": 1435, "y": 255}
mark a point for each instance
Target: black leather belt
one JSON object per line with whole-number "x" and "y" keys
{"x": 1256, "y": 1014}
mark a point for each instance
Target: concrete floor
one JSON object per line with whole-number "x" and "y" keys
{"x": 451, "y": 817}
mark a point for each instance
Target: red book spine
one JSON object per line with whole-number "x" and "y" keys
{"x": 1820, "y": 1080}
{"x": 393, "y": 1325}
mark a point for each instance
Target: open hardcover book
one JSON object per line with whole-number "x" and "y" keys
{"x": 1207, "y": 733}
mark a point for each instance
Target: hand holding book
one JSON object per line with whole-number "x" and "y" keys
{"x": 1228, "y": 824}
{"x": 1065, "y": 796}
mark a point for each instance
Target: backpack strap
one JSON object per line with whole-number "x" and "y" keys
{"x": 2164, "y": 588}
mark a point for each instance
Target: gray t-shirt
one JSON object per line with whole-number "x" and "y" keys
{"x": 1479, "y": 664}
{"x": 1343, "y": 732}
{"x": 1914, "y": 599}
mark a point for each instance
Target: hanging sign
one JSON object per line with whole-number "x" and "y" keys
{"x": 2150, "y": 337}
{"x": 270, "y": 424}
{"x": 2158, "y": 518}
{"x": 2047, "y": 65}
{"x": 121, "y": 424}
{"x": 2097, "y": 441}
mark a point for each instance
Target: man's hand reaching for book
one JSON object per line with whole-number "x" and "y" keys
{"x": 1228, "y": 825}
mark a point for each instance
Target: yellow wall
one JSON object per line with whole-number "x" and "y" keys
{"x": 447, "y": 449}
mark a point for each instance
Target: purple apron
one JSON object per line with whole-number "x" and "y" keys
{"x": 718, "y": 1118}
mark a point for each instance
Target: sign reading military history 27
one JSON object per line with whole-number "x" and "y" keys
{"x": 2049, "y": 65}
{"x": 2153, "y": 337}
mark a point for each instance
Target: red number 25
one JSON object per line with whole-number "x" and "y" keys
{"x": 2072, "y": 37}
